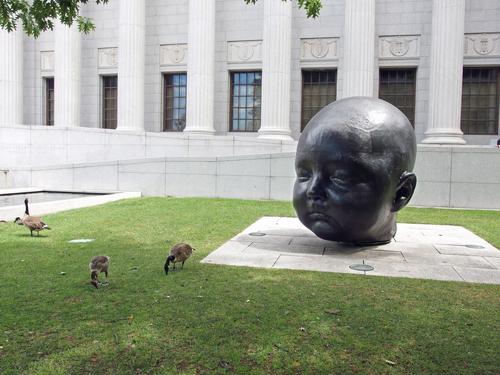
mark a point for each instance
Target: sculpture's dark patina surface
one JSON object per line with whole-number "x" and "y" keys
{"x": 354, "y": 171}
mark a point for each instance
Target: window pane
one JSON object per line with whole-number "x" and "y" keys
{"x": 397, "y": 86}
{"x": 109, "y": 101}
{"x": 174, "y": 102}
{"x": 480, "y": 101}
{"x": 319, "y": 88}
{"x": 245, "y": 101}
{"x": 49, "y": 101}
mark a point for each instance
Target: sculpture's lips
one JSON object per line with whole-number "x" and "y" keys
{"x": 320, "y": 216}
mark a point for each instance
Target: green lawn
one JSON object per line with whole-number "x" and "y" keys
{"x": 210, "y": 319}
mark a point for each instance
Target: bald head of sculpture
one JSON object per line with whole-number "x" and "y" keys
{"x": 354, "y": 168}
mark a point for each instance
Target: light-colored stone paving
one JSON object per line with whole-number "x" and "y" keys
{"x": 438, "y": 252}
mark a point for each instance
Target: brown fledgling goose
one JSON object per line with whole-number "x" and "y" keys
{"x": 98, "y": 264}
{"x": 179, "y": 253}
{"x": 33, "y": 223}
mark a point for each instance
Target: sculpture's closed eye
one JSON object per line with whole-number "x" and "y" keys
{"x": 340, "y": 183}
{"x": 303, "y": 175}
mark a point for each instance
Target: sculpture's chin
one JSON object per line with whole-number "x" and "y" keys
{"x": 324, "y": 227}
{"x": 328, "y": 228}
{"x": 329, "y": 232}
{"x": 355, "y": 241}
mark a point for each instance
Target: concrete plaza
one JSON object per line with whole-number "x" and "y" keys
{"x": 438, "y": 252}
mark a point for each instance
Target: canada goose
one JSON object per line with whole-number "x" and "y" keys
{"x": 33, "y": 223}
{"x": 179, "y": 253}
{"x": 98, "y": 264}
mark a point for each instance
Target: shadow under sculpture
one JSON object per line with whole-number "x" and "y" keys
{"x": 354, "y": 168}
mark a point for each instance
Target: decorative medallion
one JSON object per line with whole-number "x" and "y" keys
{"x": 244, "y": 51}
{"x": 399, "y": 46}
{"x": 173, "y": 54}
{"x": 482, "y": 45}
{"x": 108, "y": 57}
{"x": 47, "y": 60}
{"x": 319, "y": 49}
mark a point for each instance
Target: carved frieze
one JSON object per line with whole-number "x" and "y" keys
{"x": 318, "y": 49}
{"x": 46, "y": 61}
{"x": 249, "y": 51}
{"x": 108, "y": 57}
{"x": 173, "y": 54}
{"x": 399, "y": 47}
{"x": 482, "y": 45}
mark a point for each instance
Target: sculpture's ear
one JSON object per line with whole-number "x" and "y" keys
{"x": 404, "y": 191}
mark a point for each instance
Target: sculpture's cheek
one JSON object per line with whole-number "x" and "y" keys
{"x": 299, "y": 190}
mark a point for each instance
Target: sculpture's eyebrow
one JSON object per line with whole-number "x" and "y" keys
{"x": 360, "y": 164}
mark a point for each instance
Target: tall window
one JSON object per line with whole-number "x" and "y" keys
{"x": 245, "y": 101}
{"x": 319, "y": 88}
{"x": 174, "y": 102}
{"x": 397, "y": 86}
{"x": 480, "y": 100}
{"x": 109, "y": 101}
{"x": 49, "y": 101}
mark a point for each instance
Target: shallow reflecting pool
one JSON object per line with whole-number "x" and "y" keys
{"x": 44, "y": 196}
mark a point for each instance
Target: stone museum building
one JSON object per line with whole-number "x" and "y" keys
{"x": 157, "y": 76}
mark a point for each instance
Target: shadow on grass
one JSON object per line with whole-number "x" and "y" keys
{"x": 29, "y": 235}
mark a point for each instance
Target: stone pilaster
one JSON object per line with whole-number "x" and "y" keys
{"x": 201, "y": 67}
{"x": 67, "y": 54}
{"x": 445, "y": 81}
{"x": 359, "y": 48}
{"x": 11, "y": 77}
{"x": 276, "y": 66}
{"x": 131, "y": 60}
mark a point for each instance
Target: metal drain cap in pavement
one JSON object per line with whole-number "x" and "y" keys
{"x": 361, "y": 267}
{"x": 257, "y": 234}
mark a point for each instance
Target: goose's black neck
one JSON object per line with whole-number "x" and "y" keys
{"x": 27, "y": 211}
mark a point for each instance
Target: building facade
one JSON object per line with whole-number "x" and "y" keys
{"x": 219, "y": 67}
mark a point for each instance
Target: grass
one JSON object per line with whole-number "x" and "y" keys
{"x": 209, "y": 319}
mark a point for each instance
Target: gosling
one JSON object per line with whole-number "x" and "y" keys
{"x": 33, "y": 223}
{"x": 97, "y": 265}
{"x": 179, "y": 253}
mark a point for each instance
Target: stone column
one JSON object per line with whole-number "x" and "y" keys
{"x": 445, "y": 81}
{"x": 67, "y": 53}
{"x": 359, "y": 48}
{"x": 201, "y": 67}
{"x": 276, "y": 66}
{"x": 131, "y": 60}
{"x": 11, "y": 77}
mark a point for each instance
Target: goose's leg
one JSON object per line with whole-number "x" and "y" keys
{"x": 182, "y": 264}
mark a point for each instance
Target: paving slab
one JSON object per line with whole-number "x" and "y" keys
{"x": 477, "y": 275}
{"x": 437, "y": 252}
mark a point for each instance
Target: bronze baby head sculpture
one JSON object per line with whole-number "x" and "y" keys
{"x": 354, "y": 167}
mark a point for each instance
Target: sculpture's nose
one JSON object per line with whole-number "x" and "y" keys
{"x": 316, "y": 189}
